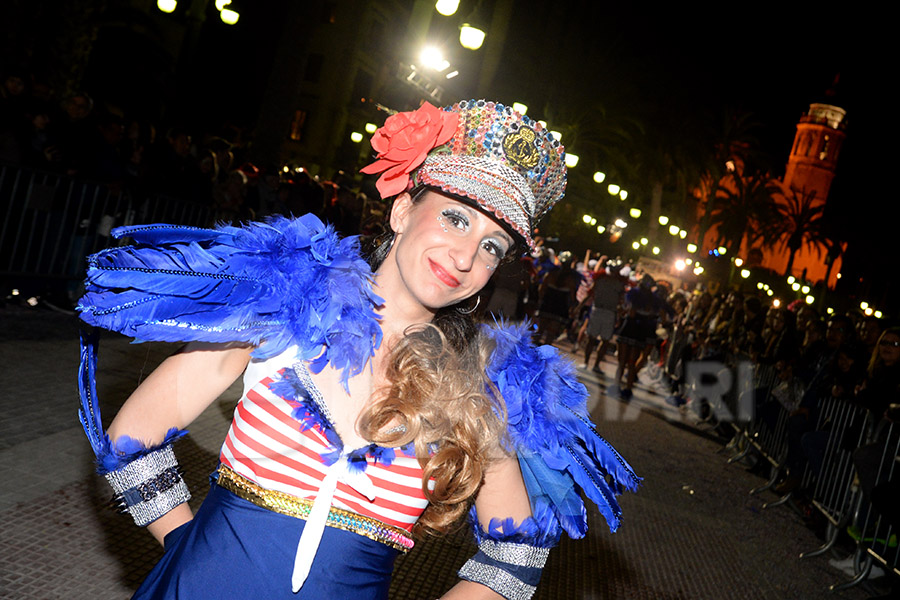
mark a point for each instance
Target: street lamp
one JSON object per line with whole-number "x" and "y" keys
{"x": 644, "y": 241}
{"x": 228, "y": 16}
{"x": 655, "y": 249}
{"x": 635, "y": 245}
{"x": 446, "y": 7}
{"x": 470, "y": 37}
{"x": 432, "y": 58}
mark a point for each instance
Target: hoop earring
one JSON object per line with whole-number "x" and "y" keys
{"x": 469, "y": 311}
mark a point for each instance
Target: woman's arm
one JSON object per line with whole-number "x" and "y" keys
{"x": 502, "y": 495}
{"x": 182, "y": 387}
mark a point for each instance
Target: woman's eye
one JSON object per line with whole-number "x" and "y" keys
{"x": 456, "y": 219}
{"x": 494, "y": 249}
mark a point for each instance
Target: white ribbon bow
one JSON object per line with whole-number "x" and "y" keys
{"x": 318, "y": 515}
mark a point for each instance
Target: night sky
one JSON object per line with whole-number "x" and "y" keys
{"x": 773, "y": 61}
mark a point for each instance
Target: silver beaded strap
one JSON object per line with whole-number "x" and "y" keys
{"x": 510, "y": 569}
{"x": 149, "y": 486}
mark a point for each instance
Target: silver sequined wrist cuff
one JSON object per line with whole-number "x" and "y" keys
{"x": 510, "y": 569}
{"x": 150, "y": 486}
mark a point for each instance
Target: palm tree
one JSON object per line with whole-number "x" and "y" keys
{"x": 743, "y": 207}
{"x": 802, "y": 222}
{"x": 733, "y": 148}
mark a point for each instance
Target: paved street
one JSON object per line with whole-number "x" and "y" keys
{"x": 691, "y": 532}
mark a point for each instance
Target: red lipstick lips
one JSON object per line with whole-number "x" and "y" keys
{"x": 443, "y": 275}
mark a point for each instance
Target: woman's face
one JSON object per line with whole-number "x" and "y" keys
{"x": 444, "y": 250}
{"x": 889, "y": 348}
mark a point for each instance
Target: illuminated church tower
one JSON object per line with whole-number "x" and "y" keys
{"x": 813, "y": 158}
{"x": 810, "y": 170}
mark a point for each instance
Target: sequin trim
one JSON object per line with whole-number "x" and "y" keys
{"x": 495, "y": 578}
{"x": 520, "y": 555}
{"x": 150, "y": 486}
{"x": 299, "y": 508}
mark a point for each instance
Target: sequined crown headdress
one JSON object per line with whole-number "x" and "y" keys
{"x": 484, "y": 151}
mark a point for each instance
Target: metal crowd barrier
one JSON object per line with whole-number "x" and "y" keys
{"x": 764, "y": 377}
{"x": 49, "y": 222}
{"x": 834, "y": 494}
{"x": 770, "y": 441}
{"x": 878, "y": 533}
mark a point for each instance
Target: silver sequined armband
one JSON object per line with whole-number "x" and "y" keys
{"x": 149, "y": 487}
{"x": 510, "y": 569}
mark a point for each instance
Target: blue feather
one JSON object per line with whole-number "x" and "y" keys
{"x": 89, "y": 411}
{"x": 532, "y": 530}
{"x": 560, "y": 452}
{"x": 273, "y": 285}
{"x": 114, "y": 456}
{"x": 109, "y": 456}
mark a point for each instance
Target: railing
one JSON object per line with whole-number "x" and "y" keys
{"x": 845, "y": 425}
{"x": 876, "y": 521}
{"x": 50, "y": 222}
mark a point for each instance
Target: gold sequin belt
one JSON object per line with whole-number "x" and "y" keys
{"x": 293, "y": 506}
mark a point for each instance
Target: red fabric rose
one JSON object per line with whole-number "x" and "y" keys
{"x": 404, "y": 142}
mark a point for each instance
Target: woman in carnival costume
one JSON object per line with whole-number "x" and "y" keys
{"x": 374, "y": 407}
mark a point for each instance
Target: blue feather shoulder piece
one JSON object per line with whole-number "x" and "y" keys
{"x": 273, "y": 285}
{"x": 560, "y": 452}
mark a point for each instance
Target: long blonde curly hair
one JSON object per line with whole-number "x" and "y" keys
{"x": 439, "y": 400}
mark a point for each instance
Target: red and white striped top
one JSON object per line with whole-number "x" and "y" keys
{"x": 266, "y": 446}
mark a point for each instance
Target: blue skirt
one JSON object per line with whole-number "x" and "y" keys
{"x": 235, "y": 549}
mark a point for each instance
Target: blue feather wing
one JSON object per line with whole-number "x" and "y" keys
{"x": 275, "y": 284}
{"x": 560, "y": 452}
{"x": 283, "y": 283}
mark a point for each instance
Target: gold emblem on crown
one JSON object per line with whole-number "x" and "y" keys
{"x": 519, "y": 147}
